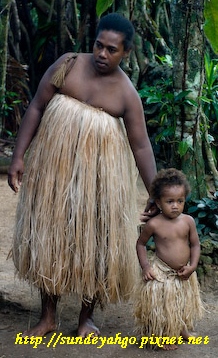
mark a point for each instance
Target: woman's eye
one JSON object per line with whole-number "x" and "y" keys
{"x": 98, "y": 45}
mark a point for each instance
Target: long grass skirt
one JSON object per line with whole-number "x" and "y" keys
{"x": 166, "y": 305}
{"x": 76, "y": 216}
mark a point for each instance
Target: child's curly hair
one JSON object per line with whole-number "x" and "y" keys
{"x": 168, "y": 177}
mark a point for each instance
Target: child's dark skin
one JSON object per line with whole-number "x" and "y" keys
{"x": 175, "y": 236}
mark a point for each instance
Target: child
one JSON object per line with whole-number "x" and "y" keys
{"x": 168, "y": 300}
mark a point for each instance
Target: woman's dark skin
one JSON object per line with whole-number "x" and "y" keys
{"x": 97, "y": 80}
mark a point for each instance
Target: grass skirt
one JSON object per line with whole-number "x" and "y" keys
{"x": 166, "y": 305}
{"x": 76, "y": 216}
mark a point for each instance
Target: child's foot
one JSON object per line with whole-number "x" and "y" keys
{"x": 40, "y": 329}
{"x": 169, "y": 347}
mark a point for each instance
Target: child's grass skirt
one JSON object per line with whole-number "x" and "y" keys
{"x": 165, "y": 306}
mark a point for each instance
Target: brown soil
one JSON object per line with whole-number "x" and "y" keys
{"x": 20, "y": 308}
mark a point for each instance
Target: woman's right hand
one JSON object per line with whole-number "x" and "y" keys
{"x": 15, "y": 174}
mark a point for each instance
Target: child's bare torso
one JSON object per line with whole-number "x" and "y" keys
{"x": 171, "y": 239}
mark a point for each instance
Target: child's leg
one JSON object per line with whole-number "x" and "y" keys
{"x": 47, "y": 322}
{"x": 86, "y": 323}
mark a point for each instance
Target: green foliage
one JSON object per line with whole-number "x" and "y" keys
{"x": 44, "y": 35}
{"x": 205, "y": 213}
{"x": 211, "y": 22}
{"x": 162, "y": 109}
{"x": 210, "y": 100}
{"x": 102, "y": 6}
{"x": 8, "y": 103}
{"x": 210, "y": 90}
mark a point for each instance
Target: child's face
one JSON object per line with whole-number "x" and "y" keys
{"x": 172, "y": 201}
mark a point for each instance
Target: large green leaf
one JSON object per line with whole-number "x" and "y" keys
{"x": 102, "y": 6}
{"x": 211, "y": 23}
{"x": 183, "y": 148}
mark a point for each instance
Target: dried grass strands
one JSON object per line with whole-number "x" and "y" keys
{"x": 76, "y": 218}
{"x": 59, "y": 76}
{"x": 163, "y": 307}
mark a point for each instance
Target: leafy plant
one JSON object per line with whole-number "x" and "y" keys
{"x": 162, "y": 107}
{"x": 102, "y": 6}
{"x": 205, "y": 213}
{"x": 210, "y": 100}
{"x": 210, "y": 26}
{"x": 9, "y": 102}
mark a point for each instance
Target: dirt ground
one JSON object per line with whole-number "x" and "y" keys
{"x": 20, "y": 308}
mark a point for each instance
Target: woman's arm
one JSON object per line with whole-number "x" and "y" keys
{"x": 30, "y": 123}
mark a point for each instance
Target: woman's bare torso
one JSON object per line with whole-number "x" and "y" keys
{"x": 107, "y": 92}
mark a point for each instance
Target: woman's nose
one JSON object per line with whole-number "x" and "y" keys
{"x": 103, "y": 52}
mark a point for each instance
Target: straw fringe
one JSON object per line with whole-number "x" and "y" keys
{"x": 59, "y": 76}
{"x": 163, "y": 307}
{"x": 76, "y": 217}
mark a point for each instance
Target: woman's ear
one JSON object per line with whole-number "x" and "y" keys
{"x": 126, "y": 53}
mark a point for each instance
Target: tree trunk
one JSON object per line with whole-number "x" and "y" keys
{"x": 188, "y": 74}
{"x": 62, "y": 27}
{"x": 4, "y": 10}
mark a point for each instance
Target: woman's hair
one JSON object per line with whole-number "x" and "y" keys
{"x": 167, "y": 178}
{"x": 118, "y": 23}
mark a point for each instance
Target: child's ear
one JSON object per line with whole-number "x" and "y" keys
{"x": 157, "y": 202}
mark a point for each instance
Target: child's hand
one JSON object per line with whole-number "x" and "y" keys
{"x": 148, "y": 273}
{"x": 185, "y": 272}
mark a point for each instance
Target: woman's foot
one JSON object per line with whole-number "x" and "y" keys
{"x": 47, "y": 321}
{"x": 86, "y": 323}
{"x": 40, "y": 329}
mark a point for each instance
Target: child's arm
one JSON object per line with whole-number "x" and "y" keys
{"x": 147, "y": 272}
{"x": 186, "y": 271}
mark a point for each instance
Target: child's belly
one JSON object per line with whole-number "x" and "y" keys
{"x": 175, "y": 257}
